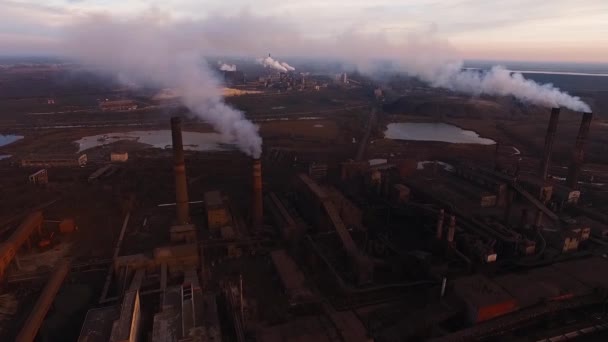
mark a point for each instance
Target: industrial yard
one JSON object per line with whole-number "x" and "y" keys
{"x": 374, "y": 213}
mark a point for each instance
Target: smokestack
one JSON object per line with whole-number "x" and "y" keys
{"x": 179, "y": 168}
{"x": 549, "y": 138}
{"x": 439, "y": 230}
{"x": 257, "y": 209}
{"x": 578, "y": 154}
{"x": 451, "y": 229}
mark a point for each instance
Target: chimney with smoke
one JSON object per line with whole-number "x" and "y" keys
{"x": 179, "y": 168}
{"x": 549, "y": 138}
{"x": 578, "y": 154}
{"x": 257, "y": 206}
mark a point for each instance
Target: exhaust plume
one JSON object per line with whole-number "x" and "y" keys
{"x": 227, "y": 67}
{"x": 499, "y": 81}
{"x": 269, "y": 62}
{"x": 287, "y": 66}
{"x": 151, "y": 52}
{"x": 138, "y": 47}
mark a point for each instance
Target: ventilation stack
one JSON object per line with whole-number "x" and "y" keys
{"x": 549, "y": 138}
{"x": 578, "y": 154}
{"x": 179, "y": 168}
{"x": 257, "y": 209}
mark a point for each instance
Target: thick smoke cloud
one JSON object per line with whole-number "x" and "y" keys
{"x": 499, "y": 81}
{"x": 151, "y": 51}
{"x": 227, "y": 67}
{"x": 422, "y": 54}
{"x": 269, "y": 62}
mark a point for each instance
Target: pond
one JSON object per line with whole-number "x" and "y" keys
{"x": 9, "y": 139}
{"x": 194, "y": 141}
{"x": 434, "y": 132}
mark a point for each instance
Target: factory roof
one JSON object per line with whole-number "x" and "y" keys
{"x": 545, "y": 283}
{"x": 480, "y": 291}
{"x": 213, "y": 199}
{"x": 117, "y": 103}
{"x": 56, "y": 156}
{"x": 587, "y": 271}
{"x": 97, "y": 324}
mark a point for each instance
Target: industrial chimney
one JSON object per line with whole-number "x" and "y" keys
{"x": 549, "y": 138}
{"x": 179, "y": 168}
{"x": 578, "y": 154}
{"x": 257, "y": 209}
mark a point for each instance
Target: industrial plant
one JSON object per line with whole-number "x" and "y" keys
{"x": 142, "y": 223}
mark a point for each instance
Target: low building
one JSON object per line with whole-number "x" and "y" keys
{"x": 119, "y": 157}
{"x": 39, "y": 177}
{"x": 120, "y": 105}
{"x": 66, "y": 160}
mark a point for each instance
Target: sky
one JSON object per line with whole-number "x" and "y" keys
{"x": 557, "y": 30}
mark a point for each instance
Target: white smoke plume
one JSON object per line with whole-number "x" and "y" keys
{"x": 151, "y": 53}
{"x": 421, "y": 54}
{"x": 270, "y": 62}
{"x": 287, "y": 66}
{"x": 227, "y": 67}
{"x": 499, "y": 81}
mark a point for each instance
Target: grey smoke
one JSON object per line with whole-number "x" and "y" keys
{"x": 227, "y": 67}
{"x": 148, "y": 52}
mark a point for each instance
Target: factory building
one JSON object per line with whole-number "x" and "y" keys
{"x": 39, "y": 177}
{"x": 119, "y": 157}
{"x": 118, "y": 106}
{"x": 63, "y": 160}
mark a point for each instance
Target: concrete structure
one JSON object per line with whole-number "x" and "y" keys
{"x": 257, "y": 205}
{"x": 10, "y": 247}
{"x": 183, "y": 233}
{"x": 119, "y": 157}
{"x": 177, "y": 258}
{"x": 97, "y": 325}
{"x": 119, "y": 105}
{"x": 483, "y": 298}
{"x": 217, "y": 212}
{"x": 128, "y": 326}
{"x": 66, "y": 160}
{"x": 187, "y": 314}
{"x": 283, "y": 219}
{"x": 34, "y": 321}
{"x": 578, "y": 154}
{"x": 549, "y": 138}
{"x": 318, "y": 204}
{"x": 39, "y": 177}
{"x": 179, "y": 168}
